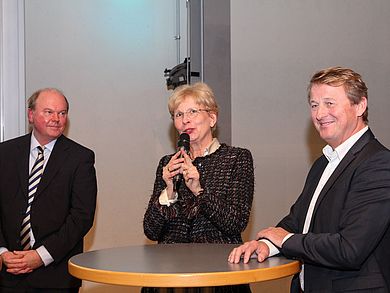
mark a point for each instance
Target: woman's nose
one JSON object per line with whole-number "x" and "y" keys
{"x": 186, "y": 118}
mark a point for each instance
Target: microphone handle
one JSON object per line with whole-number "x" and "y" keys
{"x": 176, "y": 182}
{"x": 178, "y": 177}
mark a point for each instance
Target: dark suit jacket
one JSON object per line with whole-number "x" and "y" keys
{"x": 62, "y": 211}
{"x": 348, "y": 243}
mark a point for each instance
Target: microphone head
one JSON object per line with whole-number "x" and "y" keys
{"x": 184, "y": 141}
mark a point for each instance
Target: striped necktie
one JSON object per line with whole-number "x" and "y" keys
{"x": 33, "y": 181}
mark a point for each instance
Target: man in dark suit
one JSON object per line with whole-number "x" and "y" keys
{"x": 339, "y": 227}
{"x": 56, "y": 213}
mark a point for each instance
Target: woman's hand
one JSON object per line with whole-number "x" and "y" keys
{"x": 190, "y": 174}
{"x": 171, "y": 170}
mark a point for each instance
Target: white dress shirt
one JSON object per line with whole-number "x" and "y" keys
{"x": 47, "y": 149}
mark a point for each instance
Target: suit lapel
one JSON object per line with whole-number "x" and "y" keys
{"x": 345, "y": 162}
{"x": 57, "y": 158}
{"x": 23, "y": 155}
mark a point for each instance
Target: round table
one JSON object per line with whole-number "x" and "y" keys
{"x": 175, "y": 265}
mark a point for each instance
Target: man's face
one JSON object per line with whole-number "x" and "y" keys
{"x": 49, "y": 117}
{"x": 334, "y": 116}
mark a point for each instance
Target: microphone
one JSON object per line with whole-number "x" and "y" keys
{"x": 183, "y": 142}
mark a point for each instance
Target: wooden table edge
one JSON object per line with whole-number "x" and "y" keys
{"x": 184, "y": 279}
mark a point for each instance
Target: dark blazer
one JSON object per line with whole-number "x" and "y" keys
{"x": 347, "y": 247}
{"x": 62, "y": 211}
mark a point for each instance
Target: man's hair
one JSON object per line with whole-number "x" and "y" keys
{"x": 31, "y": 102}
{"x": 352, "y": 82}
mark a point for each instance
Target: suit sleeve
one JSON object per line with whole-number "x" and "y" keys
{"x": 156, "y": 216}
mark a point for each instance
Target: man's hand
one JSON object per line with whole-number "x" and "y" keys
{"x": 21, "y": 262}
{"x": 247, "y": 249}
{"x": 275, "y": 235}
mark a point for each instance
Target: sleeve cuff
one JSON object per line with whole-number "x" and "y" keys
{"x": 273, "y": 250}
{"x": 45, "y": 255}
{"x": 163, "y": 199}
{"x": 287, "y": 237}
{"x": 2, "y": 250}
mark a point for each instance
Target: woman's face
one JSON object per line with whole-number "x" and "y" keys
{"x": 195, "y": 120}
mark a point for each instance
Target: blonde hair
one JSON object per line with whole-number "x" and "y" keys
{"x": 200, "y": 92}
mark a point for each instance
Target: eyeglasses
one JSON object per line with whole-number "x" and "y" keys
{"x": 191, "y": 113}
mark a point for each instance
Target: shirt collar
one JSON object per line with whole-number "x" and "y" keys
{"x": 212, "y": 147}
{"x": 340, "y": 151}
{"x": 34, "y": 143}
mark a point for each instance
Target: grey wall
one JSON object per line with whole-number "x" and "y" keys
{"x": 108, "y": 57}
{"x": 276, "y": 47}
{"x": 210, "y": 55}
{"x": 217, "y": 57}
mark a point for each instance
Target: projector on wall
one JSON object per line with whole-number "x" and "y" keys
{"x": 178, "y": 75}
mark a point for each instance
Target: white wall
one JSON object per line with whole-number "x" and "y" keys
{"x": 109, "y": 57}
{"x": 12, "y": 77}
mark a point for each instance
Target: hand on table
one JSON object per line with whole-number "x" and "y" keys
{"x": 245, "y": 251}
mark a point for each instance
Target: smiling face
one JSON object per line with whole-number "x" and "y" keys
{"x": 199, "y": 126}
{"x": 49, "y": 116}
{"x": 333, "y": 114}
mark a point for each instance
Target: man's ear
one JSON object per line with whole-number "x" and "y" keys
{"x": 30, "y": 114}
{"x": 361, "y": 107}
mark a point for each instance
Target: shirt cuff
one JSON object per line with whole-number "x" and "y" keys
{"x": 45, "y": 255}
{"x": 273, "y": 250}
{"x": 163, "y": 199}
{"x": 287, "y": 237}
{"x": 2, "y": 250}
